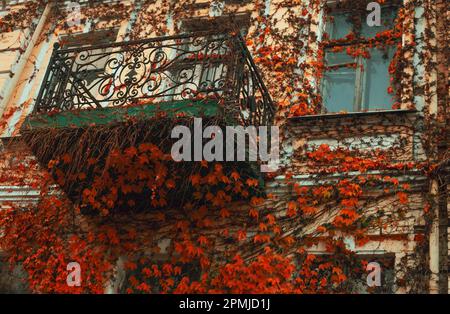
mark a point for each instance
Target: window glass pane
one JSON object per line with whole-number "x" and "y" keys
{"x": 338, "y": 85}
{"x": 209, "y": 75}
{"x": 388, "y": 15}
{"x": 375, "y": 95}
{"x": 338, "y": 90}
{"x": 334, "y": 58}
{"x": 338, "y": 25}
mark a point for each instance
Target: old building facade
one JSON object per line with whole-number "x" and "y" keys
{"x": 355, "y": 103}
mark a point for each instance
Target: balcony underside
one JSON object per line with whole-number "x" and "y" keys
{"x": 69, "y": 151}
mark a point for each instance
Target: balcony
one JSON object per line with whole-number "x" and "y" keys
{"x": 200, "y": 74}
{"x": 99, "y": 100}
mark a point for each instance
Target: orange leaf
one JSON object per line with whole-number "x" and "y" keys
{"x": 241, "y": 235}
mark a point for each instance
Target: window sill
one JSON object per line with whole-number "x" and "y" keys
{"x": 352, "y": 114}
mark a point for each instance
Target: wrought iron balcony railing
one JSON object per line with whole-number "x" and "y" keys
{"x": 158, "y": 70}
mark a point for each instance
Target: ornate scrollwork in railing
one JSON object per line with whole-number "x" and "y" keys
{"x": 165, "y": 69}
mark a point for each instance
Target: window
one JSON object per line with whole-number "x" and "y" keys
{"x": 386, "y": 262}
{"x": 354, "y": 267}
{"x": 93, "y": 66}
{"x": 190, "y": 270}
{"x": 89, "y": 68}
{"x": 205, "y": 67}
{"x": 356, "y": 75}
{"x": 214, "y": 72}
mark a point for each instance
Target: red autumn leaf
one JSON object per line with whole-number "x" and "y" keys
{"x": 403, "y": 197}
{"x": 241, "y": 235}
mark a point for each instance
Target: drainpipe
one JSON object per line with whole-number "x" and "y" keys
{"x": 443, "y": 175}
{"x": 434, "y": 243}
{"x": 11, "y": 86}
{"x": 443, "y": 231}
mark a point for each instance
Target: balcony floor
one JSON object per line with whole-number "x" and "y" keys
{"x": 107, "y": 115}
